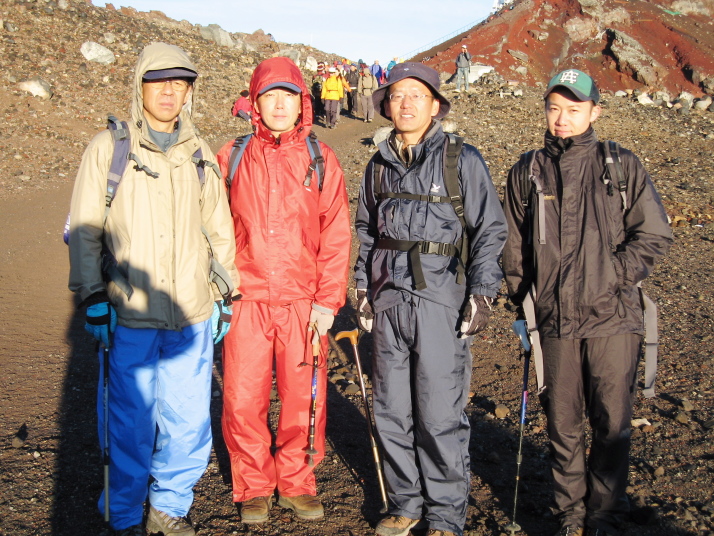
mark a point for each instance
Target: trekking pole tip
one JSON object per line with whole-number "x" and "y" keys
{"x": 513, "y": 527}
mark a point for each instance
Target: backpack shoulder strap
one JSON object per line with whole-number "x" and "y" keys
{"x": 201, "y": 164}
{"x": 614, "y": 171}
{"x": 527, "y": 181}
{"x": 377, "y": 173}
{"x": 317, "y": 162}
{"x": 239, "y": 145}
{"x": 120, "y": 157}
{"x": 452, "y": 153}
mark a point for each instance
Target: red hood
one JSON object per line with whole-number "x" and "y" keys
{"x": 274, "y": 70}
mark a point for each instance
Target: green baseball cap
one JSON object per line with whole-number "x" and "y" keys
{"x": 577, "y": 82}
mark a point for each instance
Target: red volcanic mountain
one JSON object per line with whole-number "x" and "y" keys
{"x": 659, "y": 44}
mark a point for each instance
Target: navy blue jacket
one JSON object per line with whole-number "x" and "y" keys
{"x": 386, "y": 273}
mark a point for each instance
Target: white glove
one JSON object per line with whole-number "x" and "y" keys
{"x": 365, "y": 314}
{"x": 323, "y": 321}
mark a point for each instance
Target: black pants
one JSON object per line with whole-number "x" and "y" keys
{"x": 593, "y": 377}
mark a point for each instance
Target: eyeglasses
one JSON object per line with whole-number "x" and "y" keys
{"x": 176, "y": 83}
{"x": 413, "y": 97}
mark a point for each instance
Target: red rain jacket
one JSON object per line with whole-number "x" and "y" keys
{"x": 292, "y": 241}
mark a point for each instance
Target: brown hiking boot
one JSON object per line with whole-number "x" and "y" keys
{"x": 159, "y": 521}
{"x": 307, "y": 507}
{"x": 256, "y": 510}
{"x": 134, "y": 530}
{"x": 435, "y": 532}
{"x": 570, "y": 531}
{"x": 395, "y": 526}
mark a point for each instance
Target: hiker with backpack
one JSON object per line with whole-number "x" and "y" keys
{"x": 431, "y": 230}
{"x": 149, "y": 220}
{"x": 586, "y": 226}
{"x": 289, "y": 204}
{"x": 366, "y": 86}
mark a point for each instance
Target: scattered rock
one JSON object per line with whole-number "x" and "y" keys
{"x": 686, "y": 405}
{"x": 659, "y": 472}
{"x": 645, "y": 99}
{"x": 620, "y": 93}
{"x": 37, "y": 87}
{"x": 682, "y": 417}
{"x": 501, "y": 411}
{"x": 352, "y": 389}
{"x": 291, "y": 53}
{"x": 520, "y": 56}
{"x": 310, "y": 64}
{"x": 97, "y": 53}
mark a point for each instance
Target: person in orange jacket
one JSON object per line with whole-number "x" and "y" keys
{"x": 293, "y": 243}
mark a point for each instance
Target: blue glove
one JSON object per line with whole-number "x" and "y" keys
{"x": 101, "y": 322}
{"x": 221, "y": 320}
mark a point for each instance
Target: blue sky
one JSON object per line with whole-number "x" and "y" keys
{"x": 366, "y": 29}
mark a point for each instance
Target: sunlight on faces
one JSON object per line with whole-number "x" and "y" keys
{"x": 567, "y": 116}
{"x": 163, "y": 100}
{"x": 279, "y": 109}
{"x": 410, "y": 110}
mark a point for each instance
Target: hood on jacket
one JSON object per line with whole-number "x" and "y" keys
{"x": 154, "y": 57}
{"x": 271, "y": 72}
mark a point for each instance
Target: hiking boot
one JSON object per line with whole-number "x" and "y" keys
{"x": 436, "y": 532}
{"x": 307, "y": 507}
{"x": 395, "y": 526}
{"x": 570, "y": 531}
{"x": 256, "y": 510}
{"x": 159, "y": 521}
{"x": 134, "y": 530}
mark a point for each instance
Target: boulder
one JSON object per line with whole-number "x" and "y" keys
{"x": 632, "y": 59}
{"x": 688, "y": 7}
{"x": 311, "y": 64}
{"x": 213, "y": 32}
{"x": 477, "y": 71}
{"x": 581, "y": 29}
{"x": 520, "y": 56}
{"x": 644, "y": 99}
{"x": 620, "y": 93}
{"x": 686, "y": 97}
{"x": 97, "y": 53}
{"x": 292, "y": 53}
{"x": 703, "y": 103}
{"x": 37, "y": 87}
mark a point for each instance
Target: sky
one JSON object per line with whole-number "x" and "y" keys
{"x": 363, "y": 29}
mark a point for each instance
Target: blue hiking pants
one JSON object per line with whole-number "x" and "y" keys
{"x": 422, "y": 372}
{"x": 159, "y": 419}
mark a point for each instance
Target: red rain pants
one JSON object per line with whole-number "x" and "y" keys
{"x": 260, "y": 335}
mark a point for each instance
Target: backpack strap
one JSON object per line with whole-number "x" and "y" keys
{"x": 201, "y": 164}
{"x": 527, "y": 181}
{"x": 317, "y": 162}
{"x": 120, "y": 158}
{"x": 239, "y": 145}
{"x": 614, "y": 171}
{"x": 452, "y": 153}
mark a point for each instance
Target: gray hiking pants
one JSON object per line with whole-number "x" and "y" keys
{"x": 594, "y": 377}
{"x": 421, "y": 382}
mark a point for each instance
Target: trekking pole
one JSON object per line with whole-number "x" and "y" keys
{"x": 105, "y": 456}
{"x": 352, "y": 336}
{"x": 514, "y": 527}
{"x": 311, "y": 451}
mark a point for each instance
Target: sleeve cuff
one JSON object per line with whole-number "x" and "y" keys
{"x": 321, "y": 309}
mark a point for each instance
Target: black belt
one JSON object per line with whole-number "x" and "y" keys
{"x": 415, "y": 248}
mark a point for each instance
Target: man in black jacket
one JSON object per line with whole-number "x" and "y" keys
{"x": 583, "y": 247}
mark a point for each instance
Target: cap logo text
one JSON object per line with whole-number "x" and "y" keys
{"x": 569, "y": 77}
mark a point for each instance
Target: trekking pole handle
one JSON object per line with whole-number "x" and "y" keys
{"x": 351, "y": 335}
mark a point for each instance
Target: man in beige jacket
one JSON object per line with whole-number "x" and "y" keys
{"x": 143, "y": 268}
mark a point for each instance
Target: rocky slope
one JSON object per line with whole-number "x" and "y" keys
{"x": 664, "y": 44}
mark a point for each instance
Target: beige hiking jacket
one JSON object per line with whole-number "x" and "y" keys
{"x": 154, "y": 226}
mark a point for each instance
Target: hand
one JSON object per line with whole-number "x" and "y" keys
{"x": 101, "y": 322}
{"x": 322, "y": 320}
{"x": 475, "y": 315}
{"x": 221, "y": 320}
{"x": 365, "y": 313}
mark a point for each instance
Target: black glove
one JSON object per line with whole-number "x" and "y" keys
{"x": 365, "y": 314}
{"x": 475, "y": 315}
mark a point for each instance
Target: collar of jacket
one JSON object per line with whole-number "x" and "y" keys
{"x": 186, "y": 133}
{"x": 556, "y": 146}
{"x": 298, "y": 134}
{"x": 392, "y": 148}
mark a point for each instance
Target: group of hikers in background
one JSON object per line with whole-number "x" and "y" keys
{"x": 181, "y": 249}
